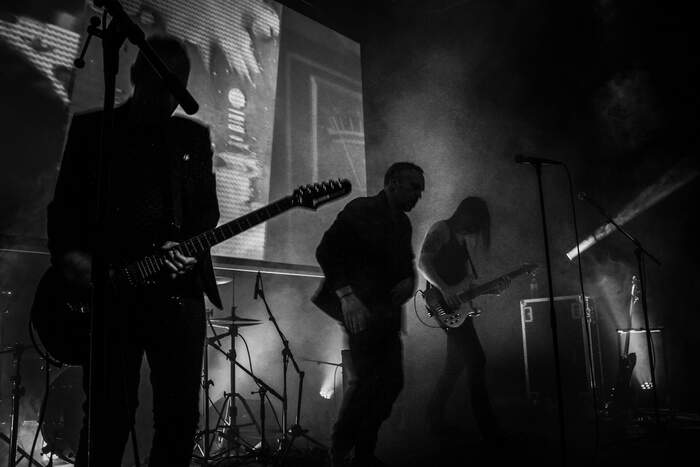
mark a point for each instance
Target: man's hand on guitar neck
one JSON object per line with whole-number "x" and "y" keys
{"x": 178, "y": 263}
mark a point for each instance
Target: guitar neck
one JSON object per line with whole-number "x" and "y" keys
{"x": 151, "y": 265}
{"x": 488, "y": 286}
{"x": 633, "y": 300}
{"x": 204, "y": 241}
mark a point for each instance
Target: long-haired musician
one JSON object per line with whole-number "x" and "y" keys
{"x": 447, "y": 262}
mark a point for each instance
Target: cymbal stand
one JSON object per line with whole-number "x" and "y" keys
{"x": 295, "y": 430}
{"x": 17, "y": 351}
{"x": 205, "y": 450}
{"x": 230, "y": 429}
{"x": 262, "y": 454}
{"x": 227, "y": 416}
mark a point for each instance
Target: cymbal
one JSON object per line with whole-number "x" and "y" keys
{"x": 221, "y": 280}
{"x": 236, "y": 319}
{"x": 226, "y": 323}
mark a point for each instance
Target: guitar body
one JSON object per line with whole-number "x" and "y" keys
{"x": 446, "y": 316}
{"x": 620, "y": 400}
{"x": 60, "y": 316}
{"x": 449, "y": 317}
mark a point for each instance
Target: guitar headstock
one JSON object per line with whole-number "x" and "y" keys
{"x": 634, "y": 291}
{"x": 316, "y": 194}
{"x": 529, "y": 268}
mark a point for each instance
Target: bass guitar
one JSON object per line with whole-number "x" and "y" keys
{"x": 621, "y": 394}
{"x": 449, "y": 317}
{"x": 60, "y": 313}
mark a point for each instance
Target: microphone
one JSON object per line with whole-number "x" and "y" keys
{"x": 521, "y": 159}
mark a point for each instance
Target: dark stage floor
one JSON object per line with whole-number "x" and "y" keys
{"x": 532, "y": 440}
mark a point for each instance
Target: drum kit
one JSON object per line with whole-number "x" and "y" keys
{"x": 222, "y": 442}
{"x": 219, "y": 442}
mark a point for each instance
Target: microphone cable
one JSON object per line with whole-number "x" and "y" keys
{"x": 587, "y": 316}
{"x": 267, "y": 396}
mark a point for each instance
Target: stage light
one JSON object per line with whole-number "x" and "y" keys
{"x": 328, "y": 386}
{"x": 679, "y": 175}
{"x": 326, "y": 392}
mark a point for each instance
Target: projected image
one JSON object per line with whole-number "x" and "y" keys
{"x": 37, "y": 47}
{"x": 233, "y": 47}
{"x": 236, "y": 77}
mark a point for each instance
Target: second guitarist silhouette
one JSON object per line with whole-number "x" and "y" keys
{"x": 446, "y": 263}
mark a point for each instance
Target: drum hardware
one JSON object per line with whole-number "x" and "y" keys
{"x": 63, "y": 416}
{"x": 223, "y": 280}
{"x": 226, "y": 429}
{"x": 289, "y": 433}
{"x": 17, "y": 392}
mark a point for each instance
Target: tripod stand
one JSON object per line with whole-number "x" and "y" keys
{"x": 225, "y": 429}
{"x": 262, "y": 453}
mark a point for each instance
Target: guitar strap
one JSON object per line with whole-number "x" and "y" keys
{"x": 469, "y": 260}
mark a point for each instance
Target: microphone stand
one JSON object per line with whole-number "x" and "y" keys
{"x": 639, "y": 253}
{"x": 113, "y": 35}
{"x": 552, "y": 315}
{"x": 295, "y": 430}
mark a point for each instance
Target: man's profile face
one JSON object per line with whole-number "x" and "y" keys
{"x": 407, "y": 188}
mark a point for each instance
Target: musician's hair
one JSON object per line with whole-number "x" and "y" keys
{"x": 474, "y": 208}
{"x": 397, "y": 168}
{"x": 170, "y": 49}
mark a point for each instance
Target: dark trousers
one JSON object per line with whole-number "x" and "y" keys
{"x": 170, "y": 331}
{"x": 375, "y": 383}
{"x": 464, "y": 353}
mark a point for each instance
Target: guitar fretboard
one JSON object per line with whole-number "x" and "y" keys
{"x": 151, "y": 265}
{"x": 485, "y": 288}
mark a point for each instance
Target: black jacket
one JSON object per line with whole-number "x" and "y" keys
{"x": 186, "y": 157}
{"x": 369, "y": 248}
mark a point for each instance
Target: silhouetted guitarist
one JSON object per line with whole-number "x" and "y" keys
{"x": 445, "y": 261}
{"x": 161, "y": 190}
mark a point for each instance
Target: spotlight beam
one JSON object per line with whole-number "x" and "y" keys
{"x": 678, "y": 176}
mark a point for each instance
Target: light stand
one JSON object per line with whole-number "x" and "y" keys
{"x": 639, "y": 253}
{"x": 295, "y": 430}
